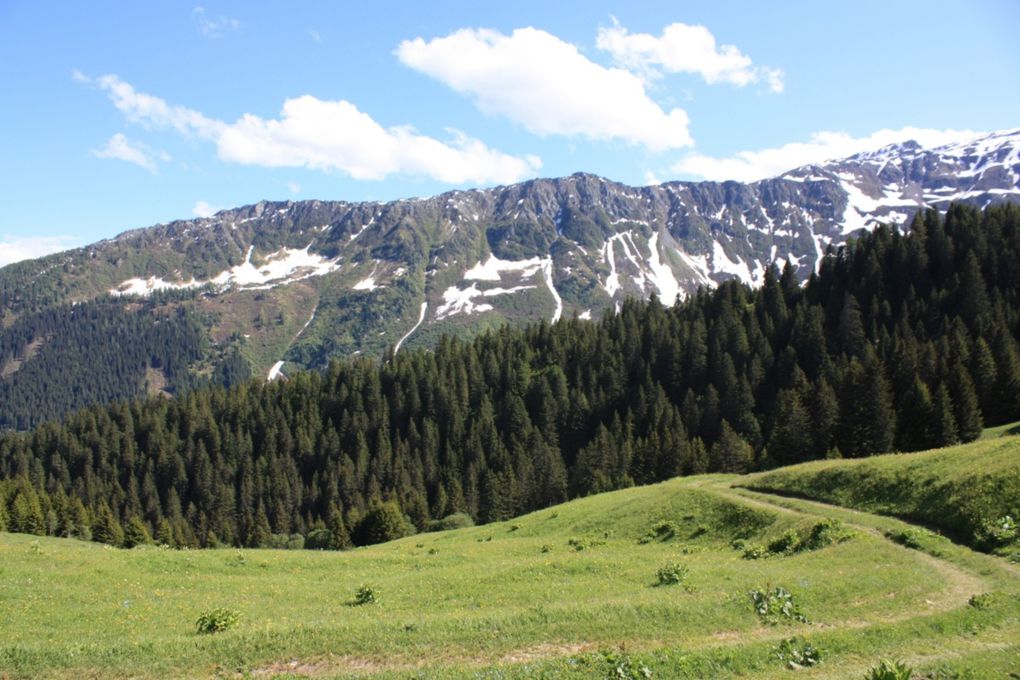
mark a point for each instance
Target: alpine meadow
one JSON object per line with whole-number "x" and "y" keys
{"x": 550, "y": 341}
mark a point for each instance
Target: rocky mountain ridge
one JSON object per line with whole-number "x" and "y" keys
{"x": 292, "y": 284}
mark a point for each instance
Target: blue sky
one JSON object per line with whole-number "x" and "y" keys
{"x": 122, "y": 115}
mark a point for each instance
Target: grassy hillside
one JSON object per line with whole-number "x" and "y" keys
{"x": 966, "y": 491}
{"x": 569, "y": 592}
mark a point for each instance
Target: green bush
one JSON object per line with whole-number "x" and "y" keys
{"x": 981, "y": 601}
{"x": 217, "y": 621}
{"x": 787, "y": 544}
{"x": 585, "y": 542}
{"x": 661, "y": 531}
{"x": 890, "y": 670}
{"x": 622, "y": 667}
{"x": 755, "y": 551}
{"x": 825, "y": 533}
{"x": 673, "y": 573}
{"x": 365, "y": 595}
{"x": 909, "y": 538}
{"x": 458, "y": 520}
{"x": 383, "y": 522}
{"x": 776, "y": 605}
{"x": 797, "y": 653}
{"x": 998, "y": 532}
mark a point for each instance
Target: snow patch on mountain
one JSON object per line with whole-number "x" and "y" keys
{"x": 282, "y": 267}
{"x": 662, "y": 274}
{"x": 721, "y": 263}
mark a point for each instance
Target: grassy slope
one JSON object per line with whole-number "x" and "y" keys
{"x": 954, "y": 489}
{"x": 513, "y": 599}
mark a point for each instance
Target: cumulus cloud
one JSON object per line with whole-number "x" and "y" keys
{"x": 204, "y": 209}
{"x": 747, "y": 166}
{"x": 547, "y": 85}
{"x": 18, "y": 248}
{"x": 326, "y": 135}
{"x": 213, "y": 27}
{"x": 683, "y": 48}
{"x": 122, "y": 148}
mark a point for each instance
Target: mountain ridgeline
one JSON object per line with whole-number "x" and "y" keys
{"x": 293, "y": 285}
{"x": 898, "y": 342}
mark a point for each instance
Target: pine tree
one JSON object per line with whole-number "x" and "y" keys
{"x": 791, "y": 440}
{"x": 339, "y": 537}
{"x": 967, "y": 413}
{"x": 730, "y": 453}
{"x": 106, "y": 527}
{"x": 943, "y": 428}
{"x": 136, "y": 533}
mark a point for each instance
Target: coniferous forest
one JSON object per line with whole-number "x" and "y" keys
{"x": 898, "y": 342}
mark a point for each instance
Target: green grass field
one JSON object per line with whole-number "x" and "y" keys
{"x": 956, "y": 490}
{"x": 568, "y": 592}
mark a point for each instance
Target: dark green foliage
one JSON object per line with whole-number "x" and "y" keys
{"x": 776, "y": 605}
{"x": 619, "y": 666}
{"x": 797, "y": 653}
{"x": 136, "y": 533}
{"x": 217, "y": 620}
{"x": 909, "y": 538}
{"x": 458, "y": 520}
{"x": 825, "y": 533}
{"x": 365, "y": 595}
{"x": 787, "y": 544}
{"x": 383, "y": 522}
{"x": 523, "y": 418}
{"x": 100, "y": 350}
{"x": 890, "y": 670}
{"x": 981, "y": 600}
{"x": 672, "y": 574}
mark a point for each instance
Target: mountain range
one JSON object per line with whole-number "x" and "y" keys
{"x": 277, "y": 286}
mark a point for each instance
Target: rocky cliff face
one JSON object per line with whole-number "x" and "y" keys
{"x": 301, "y": 282}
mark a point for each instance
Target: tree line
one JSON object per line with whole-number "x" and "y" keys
{"x": 898, "y": 342}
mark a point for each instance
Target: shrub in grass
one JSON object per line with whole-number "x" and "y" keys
{"x": 584, "y": 542}
{"x": 458, "y": 520}
{"x": 776, "y": 605}
{"x": 217, "y": 621}
{"x": 661, "y": 531}
{"x": 787, "y": 544}
{"x": 981, "y": 601}
{"x": 622, "y": 667}
{"x": 755, "y": 551}
{"x": 908, "y": 538}
{"x": 825, "y": 533}
{"x": 998, "y": 532}
{"x": 797, "y": 653}
{"x": 890, "y": 670}
{"x": 672, "y": 574}
{"x": 365, "y": 595}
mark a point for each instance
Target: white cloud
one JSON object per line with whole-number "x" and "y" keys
{"x": 651, "y": 179}
{"x": 314, "y": 35}
{"x": 683, "y": 48}
{"x": 294, "y": 187}
{"x": 122, "y": 148}
{"x": 748, "y": 166}
{"x": 18, "y": 248}
{"x": 151, "y": 111}
{"x": 326, "y": 135}
{"x": 545, "y": 84}
{"x": 213, "y": 27}
{"x": 204, "y": 209}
